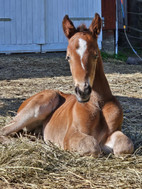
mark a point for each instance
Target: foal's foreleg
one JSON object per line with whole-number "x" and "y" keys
{"x": 33, "y": 112}
{"x": 119, "y": 144}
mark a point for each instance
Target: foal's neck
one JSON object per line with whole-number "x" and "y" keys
{"x": 100, "y": 84}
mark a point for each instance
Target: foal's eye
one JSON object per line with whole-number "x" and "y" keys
{"x": 68, "y": 58}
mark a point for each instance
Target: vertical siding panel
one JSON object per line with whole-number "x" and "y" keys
{"x": 79, "y": 3}
{"x": 76, "y": 9}
{"x": 55, "y": 21}
{"x": 60, "y": 9}
{"x": 35, "y": 21}
{"x": 42, "y": 22}
{"x": 29, "y": 21}
{"x": 99, "y": 9}
{"x": 13, "y": 22}
{"x": 78, "y": 13}
{"x": 2, "y": 23}
{"x": 52, "y": 22}
{"x": 65, "y": 11}
{"x": 86, "y": 8}
{"x": 19, "y": 21}
{"x": 47, "y": 21}
{"x": 24, "y": 21}
{"x": 69, "y": 8}
{"x": 38, "y": 22}
{"x": 7, "y": 24}
{"x": 61, "y": 14}
{"x": 83, "y": 12}
{"x": 92, "y": 7}
{"x": 90, "y": 15}
{"x": 95, "y": 6}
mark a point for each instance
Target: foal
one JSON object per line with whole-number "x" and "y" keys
{"x": 88, "y": 122}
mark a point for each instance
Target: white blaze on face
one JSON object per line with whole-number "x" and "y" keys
{"x": 81, "y": 50}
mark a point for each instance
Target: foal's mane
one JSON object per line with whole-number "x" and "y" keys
{"x": 82, "y": 28}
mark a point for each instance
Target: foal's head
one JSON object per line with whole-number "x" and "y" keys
{"x": 82, "y": 55}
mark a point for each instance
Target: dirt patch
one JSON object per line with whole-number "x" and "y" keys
{"x": 47, "y": 166}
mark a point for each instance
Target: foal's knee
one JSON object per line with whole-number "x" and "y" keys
{"x": 119, "y": 144}
{"x": 89, "y": 146}
{"x": 123, "y": 145}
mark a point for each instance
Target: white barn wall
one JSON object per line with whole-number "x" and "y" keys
{"x": 26, "y": 30}
{"x": 37, "y": 24}
{"x": 80, "y": 11}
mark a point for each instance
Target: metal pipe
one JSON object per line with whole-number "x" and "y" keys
{"x": 116, "y": 31}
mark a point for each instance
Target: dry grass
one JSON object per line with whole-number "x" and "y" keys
{"x": 28, "y": 163}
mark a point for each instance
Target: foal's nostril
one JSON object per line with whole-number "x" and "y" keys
{"x": 83, "y": 96}
{"x": 87, "y": 90}
{"x": 86, "y": 84}
{"x": 78, "y": 91}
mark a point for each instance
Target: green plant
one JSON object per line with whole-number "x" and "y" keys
{"x": 120, "y": 56}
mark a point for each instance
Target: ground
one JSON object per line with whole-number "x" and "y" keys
{"x": 28, "y": 163}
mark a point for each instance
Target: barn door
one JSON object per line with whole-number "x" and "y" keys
{"x": 80, "y": 11}
{"x": 22, "y": 27}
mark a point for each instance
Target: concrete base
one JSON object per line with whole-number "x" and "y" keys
{"x": 108, "y": 43}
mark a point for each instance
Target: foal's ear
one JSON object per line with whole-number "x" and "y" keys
{"x": 95, "y": 26}
{"x": 68, "y": 27}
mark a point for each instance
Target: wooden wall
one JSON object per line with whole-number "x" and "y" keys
{"x": 36, "y": 25}
{"x": 25, "y": 28}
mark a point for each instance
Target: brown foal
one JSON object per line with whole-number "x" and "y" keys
{"x": 88, "y": 122}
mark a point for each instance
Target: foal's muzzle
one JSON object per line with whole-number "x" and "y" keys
{"x": 83, "y": 96}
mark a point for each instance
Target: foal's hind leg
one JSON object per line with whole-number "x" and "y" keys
{"x": 33, "y": 111}
{"x": 119, "y": 144}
